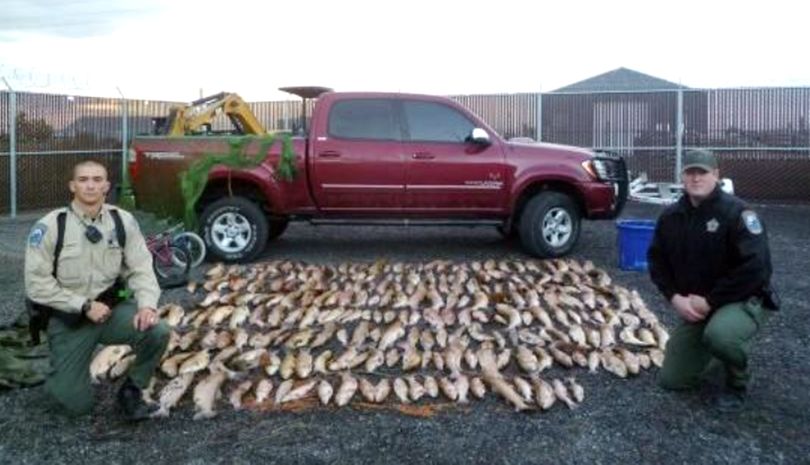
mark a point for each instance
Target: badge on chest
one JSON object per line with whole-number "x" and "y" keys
{"x": 712, "y": 225}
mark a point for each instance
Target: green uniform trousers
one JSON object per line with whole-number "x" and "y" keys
{"x": 725, "y": 336}
{"x": 72, "y": 350}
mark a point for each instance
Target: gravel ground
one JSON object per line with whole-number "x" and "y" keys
{"x": 621, "y": 421}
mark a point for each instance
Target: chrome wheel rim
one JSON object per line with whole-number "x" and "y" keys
{"x": 557, "y": 227}
{"x": 231, "y": 232}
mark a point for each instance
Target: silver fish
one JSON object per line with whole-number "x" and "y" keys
{"x": 206, "y": 393}
{"x": 171, "y": 393}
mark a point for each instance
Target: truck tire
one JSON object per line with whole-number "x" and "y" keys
{"x": 234, "y": 229}
{"x": 277, "y": 228}
{"x": 549, "y": 225}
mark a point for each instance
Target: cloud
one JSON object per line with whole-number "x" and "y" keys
{"x": 74, "y": 19}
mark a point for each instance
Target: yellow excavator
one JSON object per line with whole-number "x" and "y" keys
{"x": 196, "y": 117}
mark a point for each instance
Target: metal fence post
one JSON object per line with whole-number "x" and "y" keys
{"x": 679, "y": 137}
{"x": 539, "y": 129}
{"x": 12, "y": 167}
{"x": 124, "y": 135}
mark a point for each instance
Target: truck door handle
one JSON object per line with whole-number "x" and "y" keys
{"x": 423, "y": 156}
{"x": 329, "y": 154}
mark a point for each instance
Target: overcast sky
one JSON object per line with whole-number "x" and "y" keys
{"x": 154, "y": 49}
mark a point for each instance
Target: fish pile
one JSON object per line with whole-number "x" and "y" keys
{"x": 280, "y": 331}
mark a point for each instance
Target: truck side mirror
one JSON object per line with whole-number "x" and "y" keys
{"x": 479, "y": 137}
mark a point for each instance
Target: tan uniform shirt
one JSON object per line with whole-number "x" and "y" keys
{"x": 85, "y": 269}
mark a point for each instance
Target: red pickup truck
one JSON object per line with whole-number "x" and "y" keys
{"x": 393, "y": 159}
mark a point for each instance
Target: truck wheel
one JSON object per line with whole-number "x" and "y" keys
{"x": 549, "y": 225}
{"x": 234, "y": 229}
{"x": 277, "y": 228}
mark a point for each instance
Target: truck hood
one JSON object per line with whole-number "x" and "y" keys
{"x": 555, "y": 153}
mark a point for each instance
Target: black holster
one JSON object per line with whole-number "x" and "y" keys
{"x": 39, "y": 315}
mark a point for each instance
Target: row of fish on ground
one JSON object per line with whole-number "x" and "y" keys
{"x": 281, "y": 331}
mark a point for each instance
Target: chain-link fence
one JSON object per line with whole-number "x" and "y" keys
{"x": 762, "y": 135}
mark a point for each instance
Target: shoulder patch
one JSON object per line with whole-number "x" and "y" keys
{"x": 751, "y": 221}
{"x": 37, "y": 234}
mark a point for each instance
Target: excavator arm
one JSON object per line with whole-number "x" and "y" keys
{"x": 192, "y": 118}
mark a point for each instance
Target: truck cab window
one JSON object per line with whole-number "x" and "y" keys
{"x": 434, "y": 122}
{"x": 363, "y": 119}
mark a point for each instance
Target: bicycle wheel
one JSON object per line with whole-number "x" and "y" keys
{"x": 192, "y": 244}
{"x": 171, "y": 266}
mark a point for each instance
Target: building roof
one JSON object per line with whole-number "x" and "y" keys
{"x": 620, "y": 79}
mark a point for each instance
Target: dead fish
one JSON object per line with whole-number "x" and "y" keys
{"x": 171, "y": 393}
{"x": 401, "y": 390}
{"x": 657, "y": 357}
{"x": 523, "y": 388}
{"x": 324, "y": 336}
{"x": 561, "y": 357}
{"x": 606, "y": 336}
{"x": 343, "y": 336}
{"x": 462, "y": 385}
{"x": 415, "y": 389}
{"x": 238, "y": 392}
{"x": 391, "y": 334}
{"x": 174, "y": 315}
{"x": 511, "y": 314}
{"x": 561, "y": 393}
{"x": 544, "y": 360}
{"x": 220, "y": 314}
{"x": 196, "y": 362}
{"x": 471, "y": 359}
{"x": 543, "y": 393}
{"x": 527, "y": 360}
{"x": 325, "y": 392}
{"x": 477, "y": 387}
{"x": 503, "y": 358}
{"x": 122, "y": 366}
{"x": 322, "y": 361}
{"x": 577, "y": 391}
{"x": 367, "y": 389}
{"x": 303, "y": 364}
{"x": 206, "y": 393}
{"x": 630, "y": 361}
{"x": 106, "y": 358}
{"x": 345, "y": 392}
{"x": 448, "y": 388}
{"x": 431, "y": 386}
{"x": 249, "y": 360}
{"x": 300, "y": 391}
{"x": 613, "y": 364}
{"x": 240, "y": 338}
{"x": 578, "y": 335}
{"x": 646, "y": 336}
{"x": 375, "y": 360}
{"x": 238, "y": 316}
{"x": 299, "y": 339}
{"x": 505, "y": 390}
{"x": 210, "y": 299}
{"x": 360, "y": 333}
{"x": 223, "y": 339}
{"x": 392, "y": 357}
{"x": 382, "y": 390}
{"x": 283, "y": 389}
{"x": 263, "y": 389}
{"x": 287, "y": 365}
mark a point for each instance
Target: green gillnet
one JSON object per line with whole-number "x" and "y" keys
{"x": 195, "y": 178}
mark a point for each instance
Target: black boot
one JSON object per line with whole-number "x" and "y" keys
{"x": 130, "y": 399}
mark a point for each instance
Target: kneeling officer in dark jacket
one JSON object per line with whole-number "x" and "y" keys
{"x": 710, "y": 259}
{"x": 77, "y": 291}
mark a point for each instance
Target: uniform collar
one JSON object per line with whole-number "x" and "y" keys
{"x": 84, "y": 216}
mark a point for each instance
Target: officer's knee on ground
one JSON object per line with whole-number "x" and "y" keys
{"x": 74, "y": 403}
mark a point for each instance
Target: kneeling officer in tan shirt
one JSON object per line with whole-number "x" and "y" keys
{"x": 78, "y": 292}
